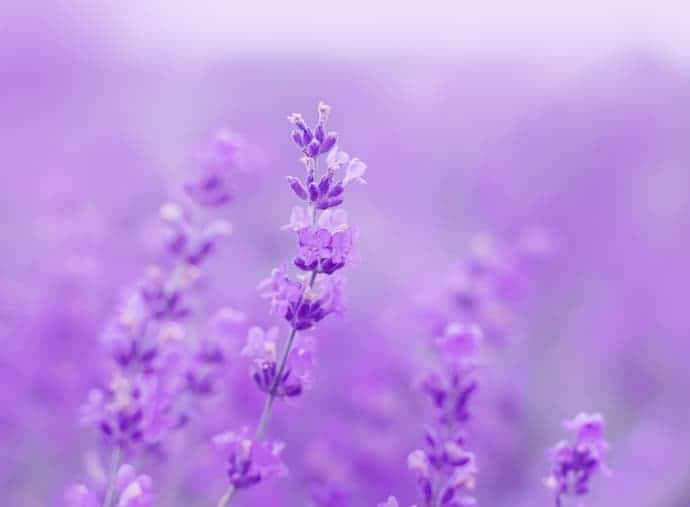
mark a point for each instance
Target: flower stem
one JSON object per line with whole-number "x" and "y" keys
{"x": 112, "y": 473}
{"x": 227, "y": 497}
{"x": 268, "y": 405}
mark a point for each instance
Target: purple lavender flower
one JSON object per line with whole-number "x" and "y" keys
{"x": 317, "y": 141}
{"x": 186, "y": 239}
{"x": 156, "y": 370}
{"x": 133, "y": 411}
{"x": 213, "y": 185}
{"x": 445, "y": 471}
{"x": 262, "y": 348}
{"x": 130, "y": 490}
{"x": 249, "y": 461}
{"x": 323, "y": 191}
{"x": 489, "y": 279}
{"x": 323, "y": 251}
{"x": 325, "y": 246}
{"x": 299, "y": 304}
{"x": 574, "y": 463}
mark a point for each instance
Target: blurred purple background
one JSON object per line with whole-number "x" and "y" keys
{"x": 103, "y": 109}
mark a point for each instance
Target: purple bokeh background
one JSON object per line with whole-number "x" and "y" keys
{"x": 95, "y": 136}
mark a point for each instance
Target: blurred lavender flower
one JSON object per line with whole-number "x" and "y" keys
{"x": 130, "y": 490}
{"x": 210, "y": 353}
{"x": 214, "y": 183}
{"x": 249, "y": 462}
{"x": 188, "y": 240}
{"x": 132, "y": 411}
{"x": 445, "y": 470}
{"x": 485, "y": 284}
{"x": 481, "y": 289}
{"x": 574, "y": 463}
{"x": 160, "y": 363}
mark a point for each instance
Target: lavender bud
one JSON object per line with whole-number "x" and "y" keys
{"x": 329, "y": 142}
{"x": 308, "y": 136}
{"x": 337, "y": 190}
{"x": 320, "y": 133}
{"x": 313, "y": 192}
{"x": 447, "y": 496}
{"x": 297, "y": 138}
{"x": 330, "y": 203}
{"x": 325, "y": 184}
{"x": 313, "y": 148}
{"x": 297, "y": 187}
{"x": 297, "y": 120}
{"x": 324, "y": 112}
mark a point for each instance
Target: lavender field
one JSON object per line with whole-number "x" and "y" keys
{"x": 344, "y": 263}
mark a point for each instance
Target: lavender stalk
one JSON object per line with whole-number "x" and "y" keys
{"x": 325, "y": 245}
{"x": 488, "y": 280}
{"x": 144, "y": 404}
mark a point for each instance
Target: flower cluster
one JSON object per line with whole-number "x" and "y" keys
{"x": 485, "y": 284}
{"x": 188, "y": 240}
{"x": 157, "y": 359}
{"x": 328, "y": 191}
{"x": 325, "y": 245}
{"x": 445, "y": 470}
{"x": 262, "y": 348}
{"x": 574, "y": 463}
{"x": 129, "y": 490}
{"x": 160, "y": 361}
{"x": 214, "y": 183}
{"x": 249, "y": 462}
{"x": 317, "y": 141}
{"x": 481, "y": 289}
{"x": 132, "y": 411}
{"x": 325, "y": 240}
{"x": 207, "y": 361}
{"x": 301, "y": 302}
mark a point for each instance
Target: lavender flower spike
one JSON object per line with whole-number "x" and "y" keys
{"x": 574, "y": 463}
{"x": 148, "y": 396}
{"x": 326, "y": 244}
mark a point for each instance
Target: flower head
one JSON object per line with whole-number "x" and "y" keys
{"x": 323, "y": 251}
{"x": 354, "y": 168}
{"x": 213, "y": 185}
{"x": 250, "y": 462}
{"x": 187, "y": 240}
{"x": 262, "y": 348}
{"x": 445, "y": 472}
{"x": 281, "y": 290}
{"x": 574, "y": 463}
{"x": 318, "y": 140}
{"x": 132, "y": 411}
{"x": 460, "y": 342}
